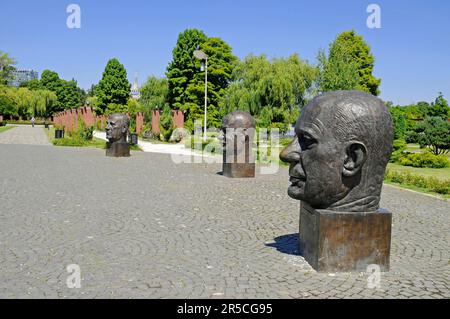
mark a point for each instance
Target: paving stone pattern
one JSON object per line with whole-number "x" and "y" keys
{"x": 144, "y": 227}
{"x": 25, "y": 134}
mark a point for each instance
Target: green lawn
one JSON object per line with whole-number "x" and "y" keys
{"x": 5, "y": 128}
{"x": 440, "y": 173}
{"x": 95, "y": 142}
{"x": 415, "y": 148}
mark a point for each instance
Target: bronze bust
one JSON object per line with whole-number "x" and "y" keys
{"x": 337, "y": 164}
{"x": 342, "y": 146}
{"x": 116, "y": 133}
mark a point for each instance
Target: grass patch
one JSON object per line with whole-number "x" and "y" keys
{"x": 77, "y": 142}
{"x": 428, "y": 184}
{"x": 439, "y": 173}
{"x": 5, "y": 128}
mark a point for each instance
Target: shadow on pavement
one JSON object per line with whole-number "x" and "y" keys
{"x": 287, "y": 244}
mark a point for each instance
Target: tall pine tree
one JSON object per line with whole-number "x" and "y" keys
{"x": 114, "y": 87}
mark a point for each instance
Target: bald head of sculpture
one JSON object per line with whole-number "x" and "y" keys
{"x": 117, "y": 128}
{"x": 342, "y": 146}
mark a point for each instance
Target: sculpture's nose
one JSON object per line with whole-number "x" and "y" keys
{"x": 292, "y": 152}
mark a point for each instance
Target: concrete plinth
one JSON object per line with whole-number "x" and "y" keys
{"x": 239, "y": 170}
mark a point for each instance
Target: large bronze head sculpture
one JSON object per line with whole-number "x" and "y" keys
{"x": 117, "y": 128}
{"x": 339, "y": 156}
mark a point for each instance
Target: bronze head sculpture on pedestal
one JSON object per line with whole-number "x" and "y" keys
{"x": 339, "y": 156}
{"x": 238, "y": 129}
{"x": 117, "y": 128}
{"x": 116, "y": 133}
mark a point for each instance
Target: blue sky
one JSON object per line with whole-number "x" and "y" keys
{"x": 412, "y": 49}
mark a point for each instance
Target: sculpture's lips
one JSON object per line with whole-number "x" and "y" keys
{"x": 297, "y": 179}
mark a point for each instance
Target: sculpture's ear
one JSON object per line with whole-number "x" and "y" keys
{"x": 355, "y": 157}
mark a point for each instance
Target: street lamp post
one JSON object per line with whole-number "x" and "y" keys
{"x": 204, "y": 67}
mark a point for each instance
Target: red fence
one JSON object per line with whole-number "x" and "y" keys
{"x": 69, "y": 119}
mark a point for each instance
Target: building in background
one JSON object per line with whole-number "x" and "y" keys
{"x": 22, "y": 75}
{"x": 135, "y": 94}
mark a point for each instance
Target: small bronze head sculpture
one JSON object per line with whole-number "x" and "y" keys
{"x": 117, "y": 128}
{"x": 238, "y": 119}
{"x": 339, "y": 156}
{"x": 238, "y": 130}
{"x": 116, "y": 133}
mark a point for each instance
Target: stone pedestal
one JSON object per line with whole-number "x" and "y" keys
{"x": 239, "y": 170}
{"x": 117, "y": 149}
{"x": 238, "y": 160}
{"x": 344, "y": 242}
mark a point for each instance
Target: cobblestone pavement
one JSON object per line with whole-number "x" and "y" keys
{"x": 144, "y": 227}
{"x": 25, "y": 135}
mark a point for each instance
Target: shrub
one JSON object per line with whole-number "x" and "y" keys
{"x": 69, "y": 141}
{"x": 166, "y": 124}
{"x": 426, "y": 159}
{"x": 82, "y": 136}
{"x": 194, "y": 142}
{"x": 412, "y": 137}
{"x": 430, "y": 183}
{"x": 178, "y": 135}
{"x": 396, "y": 156}
{"x": 113, "y": 108}
{"x": 86, "y": 133}
{"x": 399, "y": 145}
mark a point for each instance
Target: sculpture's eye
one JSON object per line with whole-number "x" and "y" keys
{"x": 306, "y": 141}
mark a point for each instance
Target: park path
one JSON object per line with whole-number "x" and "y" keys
{"x": 26, "y": 135}
{"x": 164, "y": 148}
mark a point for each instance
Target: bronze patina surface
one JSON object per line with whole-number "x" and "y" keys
{"x": 116, "y": 133}
{"x": 337, "y": 163}
{"x": 238, "y": 133}
{"x": 338, "y": 241}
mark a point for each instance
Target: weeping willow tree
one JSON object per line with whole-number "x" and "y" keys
{"x": 27, "y": 103}
{"x": 23, "y": 99}
{"x": 272, "y": 91}
{"x": 49, "y": 100}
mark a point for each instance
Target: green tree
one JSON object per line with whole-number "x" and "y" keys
{"x": 6, "y": 68}
{"x": 8, "y": 106}
{"x": 349, "y": 65}
{"x": 114, "y": 87}
{"x": 154, "y": 93}
{"x": 115, "y": 108}
{"x": 69, "y": 95}
{"x": 399, "y": 121}
{"x": 37, "y": 104}
{"x": 50, "y": 100}
{"x": 221, "y": 63}
{"x": 434, "y": 132}
{"x": 50, "y": 80}
{"x": 23, "y": 99}
{"x": 272, "y": 91}
{"x": 338, "y": 71}
{"x": 33, "y": 84}
{"x": 92, "y": 101}
{"x": 134, "y": 107}
{"x": 439, "y": 108}
{"x": 183, "y": 68}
